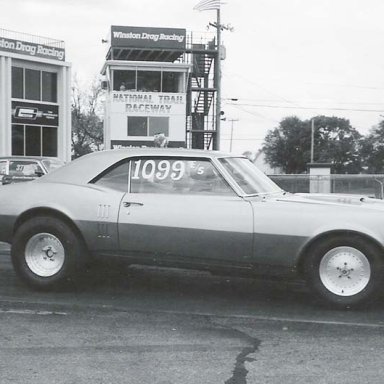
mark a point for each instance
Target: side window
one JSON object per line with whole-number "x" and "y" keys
{"x": 177, "y": 176}
{"x": 115, "y": 178}
{"x": 24, "y": 168}
{"x": 32, "y": 84}
{"x": 17, "y": 82}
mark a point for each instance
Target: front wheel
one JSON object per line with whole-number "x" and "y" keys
{"x": 46, "y": 252}
{"x": 344, "y": 270}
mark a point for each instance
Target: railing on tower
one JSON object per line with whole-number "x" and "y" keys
{"x": 7, "y": 34}
{"x": 201, "y": 53}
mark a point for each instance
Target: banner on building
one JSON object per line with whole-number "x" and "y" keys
{"x": 147, "y": 38}
{"x": 35, "y": 114}
{"x": 31, "y": 49}
{"x": 137, "y": 117}
{"x": 148, "y": 103}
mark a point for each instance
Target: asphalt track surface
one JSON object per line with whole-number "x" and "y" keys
{"x": 148, "y": 325}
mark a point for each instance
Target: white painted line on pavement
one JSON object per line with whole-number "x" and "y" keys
{"x": 306, "y": 321}
{"x": 274, "y": 318}
{"x": 31, "y": 312}
{"x": 198, "y": 313}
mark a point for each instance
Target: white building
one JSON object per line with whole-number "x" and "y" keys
{"x": 35, "y": 109}
{"x": 146, "y": 87}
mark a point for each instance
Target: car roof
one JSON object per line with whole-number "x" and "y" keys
{"x": 86, "y": 168}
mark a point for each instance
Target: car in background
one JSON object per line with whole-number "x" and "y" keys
{"x": 16, "y": 169}
{"x": 196, "y": 209}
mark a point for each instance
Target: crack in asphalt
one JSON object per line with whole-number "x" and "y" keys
{"x": 239, "y": 373}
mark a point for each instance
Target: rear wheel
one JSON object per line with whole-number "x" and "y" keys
{"x": 46, "y": 252}
{"x": 344, "y": 271}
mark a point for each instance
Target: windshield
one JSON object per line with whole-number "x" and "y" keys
{"x": 248, "y": 177}
{"x": 51, "y": 164}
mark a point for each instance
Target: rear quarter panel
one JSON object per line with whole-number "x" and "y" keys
{"x": 93, "y": 210}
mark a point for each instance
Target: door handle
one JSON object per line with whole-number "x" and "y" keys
{"x": 127, "y": 204}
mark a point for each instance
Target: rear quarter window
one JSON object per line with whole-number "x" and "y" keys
{"x": 115, "y": 178}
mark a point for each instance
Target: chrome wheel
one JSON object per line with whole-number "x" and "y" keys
{"x": 344, "y": 271}
{"x": 44, "y": 254}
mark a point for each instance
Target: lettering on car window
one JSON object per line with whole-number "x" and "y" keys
{"x": 24, "y": 168}
{"x": 164, "y": 168}
{"x": 197, "y": 167}
{"x": 176, "y": 176}
{"x": 149, "y": 170}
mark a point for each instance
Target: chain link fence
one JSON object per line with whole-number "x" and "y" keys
{"x": 369, "y": 185}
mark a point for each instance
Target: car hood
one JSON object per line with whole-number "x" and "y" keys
{"x": 323, "y": 199}
{"x": 335, "y": 199}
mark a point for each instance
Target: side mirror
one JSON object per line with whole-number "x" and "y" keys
{"x": 39, "y": 173}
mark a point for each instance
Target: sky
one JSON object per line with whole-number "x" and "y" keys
{"x": 284, "y": 57}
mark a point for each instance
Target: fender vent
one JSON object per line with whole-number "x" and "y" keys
{"x": 103, "y": 211}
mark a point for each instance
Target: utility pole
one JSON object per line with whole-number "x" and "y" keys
{"x": 206, "y": 5}
{"x": 216, "y": 142}
{"x": 230, "y": 143}
{"x": 312, "y": 138}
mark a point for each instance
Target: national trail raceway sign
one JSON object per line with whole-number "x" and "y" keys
{"x": 32, "y": 49}
{"x": 35, "y": 113}
{"x": 148, "y": 106}
{"x": 153, "y": 38}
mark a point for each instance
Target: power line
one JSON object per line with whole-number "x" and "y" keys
{"x": 348, "y": 86}
{"x": 294, "y": 104}
{"x": 306, "y": 108}
{"x": 257, "y": 114}
{"x": 248, "y": 80}
{"x": 242, "y": 139}
{"x": 309, "y": 101}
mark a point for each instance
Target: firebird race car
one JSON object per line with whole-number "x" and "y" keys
{"x": 191, "y": 209}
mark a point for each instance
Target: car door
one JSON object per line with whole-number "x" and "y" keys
{"x": 182, "y": 208}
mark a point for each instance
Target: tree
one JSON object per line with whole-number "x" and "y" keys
{"x": 335, "y": 141}
{"x": 338, "y": 143}
{"x": 373, "y": 149}
{"x": 288, "y": 146}
{"x": 87, "y": 125}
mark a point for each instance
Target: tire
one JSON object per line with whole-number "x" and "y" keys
{"x": 344, "y": 271}
{"x": 46, "y": 253}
